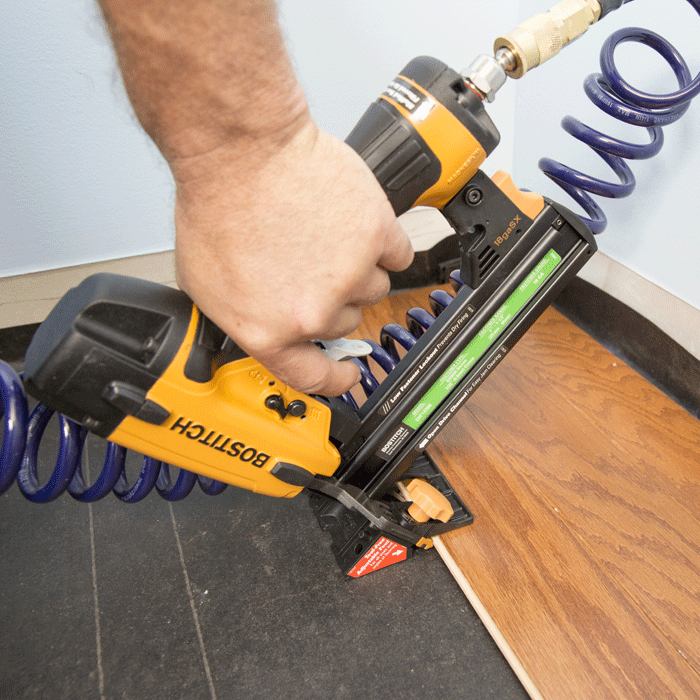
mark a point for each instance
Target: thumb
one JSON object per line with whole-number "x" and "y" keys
{"x": 398, "y": 251}
{"x": 306, "y": 369}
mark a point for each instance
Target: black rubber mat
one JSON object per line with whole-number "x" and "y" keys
{"x": 234, "y": 596}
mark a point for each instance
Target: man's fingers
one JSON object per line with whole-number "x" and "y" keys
{"x": 343, "y": 323}
{"x": 306, "y": 369}
{"x": 374, "y": 288}
{"x": 398, "y": 251}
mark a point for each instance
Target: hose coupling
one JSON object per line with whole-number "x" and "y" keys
{"x": 543, "y": 36}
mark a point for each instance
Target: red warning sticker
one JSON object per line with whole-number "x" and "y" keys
{"x": 383, "y": 553}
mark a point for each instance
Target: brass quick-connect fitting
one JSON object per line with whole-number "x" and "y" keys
{"x": 539, "y": 38}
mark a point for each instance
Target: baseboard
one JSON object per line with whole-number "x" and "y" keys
{"x": 676, "y": 318}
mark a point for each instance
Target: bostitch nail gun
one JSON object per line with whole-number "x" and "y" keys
{"x": 137, "y": 363}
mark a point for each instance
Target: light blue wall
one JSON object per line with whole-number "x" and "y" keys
{"x": 655, "y": 231}
{"x": 80, "y": 182}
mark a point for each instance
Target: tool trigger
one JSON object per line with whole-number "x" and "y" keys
{"x": 343, "y": 348}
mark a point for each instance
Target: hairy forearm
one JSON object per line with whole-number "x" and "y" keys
{"x": 207, "y": 74}
{"x": 261, "y": 193}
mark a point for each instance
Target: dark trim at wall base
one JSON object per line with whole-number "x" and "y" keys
{"x": 15, "y": 341}
{"x": 635, "y": 340}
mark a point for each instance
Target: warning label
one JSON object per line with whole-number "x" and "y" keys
{"x": 383, "y": 553}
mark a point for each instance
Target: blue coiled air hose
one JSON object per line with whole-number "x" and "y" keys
{"x": 609, "y": 91}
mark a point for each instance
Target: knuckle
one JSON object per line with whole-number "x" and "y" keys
{"x": 384, "y": 287}
{"x": 314, "y": 385}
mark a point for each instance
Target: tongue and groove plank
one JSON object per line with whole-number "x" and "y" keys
{"x": 571, "y": 626}
{"x": 584, "y": 479}
{"x": 611, "y": 495}
{"x": 665, "y": 436}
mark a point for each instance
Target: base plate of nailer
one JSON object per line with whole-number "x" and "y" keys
{"x": 360, "y": 547}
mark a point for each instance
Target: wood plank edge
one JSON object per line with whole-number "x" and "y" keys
{"x": 487, "y": 620}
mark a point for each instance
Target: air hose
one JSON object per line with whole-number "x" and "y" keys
{"x": 21, "y": 438}
{"x": 22, "y": 432}
{"x": 611, "y": 93}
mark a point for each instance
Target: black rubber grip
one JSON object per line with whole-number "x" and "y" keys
{"x": 396, "y": 153}
{"x": 391, "y": 145}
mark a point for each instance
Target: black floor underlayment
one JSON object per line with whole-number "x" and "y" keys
{"x": 233, "y": 596}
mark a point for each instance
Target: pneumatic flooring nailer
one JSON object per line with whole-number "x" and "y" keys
{"x": 137, "y": 363}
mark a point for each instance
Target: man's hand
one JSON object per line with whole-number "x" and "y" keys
{"x": 283, "y": 233}
{"x": 288, "y": 251}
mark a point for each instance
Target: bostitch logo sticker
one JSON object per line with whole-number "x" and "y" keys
{"x": 218, "y": 441}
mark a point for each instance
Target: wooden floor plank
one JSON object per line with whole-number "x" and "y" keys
{"x": 665, "y": 435}
{"x": 611, "y": 495}
{"x": 488, "y": 621}
{"x": 585, "y": 484}
{"x": 572, "y": 627}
